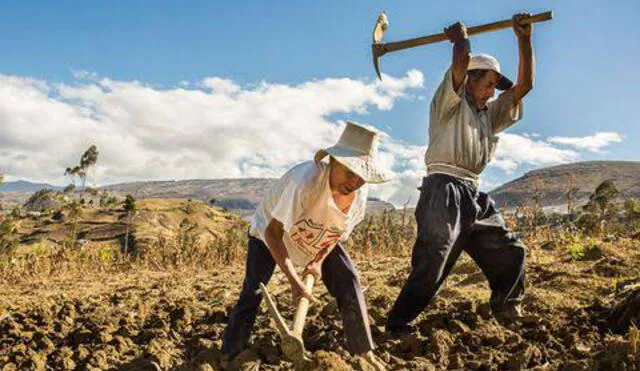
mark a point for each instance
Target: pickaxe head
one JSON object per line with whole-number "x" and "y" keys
{"x": 378, "y": 49}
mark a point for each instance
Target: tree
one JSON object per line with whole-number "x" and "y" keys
{"x": 69, "y": 188}
{"x": 75, "y": 212}
{"x": 8, "y": 234}
{"x": 130, "y": 203}
{"x": 88, "y": 159}
{"x": 571, "y": 189}
{"x": 130, "y": 207}
{"x": 601, "y": 201}
{"x": 632, "y": 209}
{"x": 1, "y": 180}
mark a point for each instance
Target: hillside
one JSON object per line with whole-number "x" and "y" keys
{"x": 553, "y": 183}
{"x": 155, "y": 220}
{"x": 25, "y": 186}
{"x": 240, "y": 196}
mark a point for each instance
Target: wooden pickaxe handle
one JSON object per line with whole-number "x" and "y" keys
{"x": 303, "y": 307}
{"x": 424, "y": 40}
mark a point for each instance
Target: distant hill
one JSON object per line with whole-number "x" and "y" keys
{"x": 240, "y": 196}
{"x": 553, "y": 183}
{"x": 24, "y": 186}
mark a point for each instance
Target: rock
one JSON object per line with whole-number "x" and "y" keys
{"x": 245, "y": 361}
{"x": 420, "y": 364}
{"x": 458, "y": 326}
{"x": 328, "y": 361}
{"x": 525, "y": 358}
{"x": 439, "y": 347}
{"x": 410, "y": 345}
{"x": 581, "y": 350}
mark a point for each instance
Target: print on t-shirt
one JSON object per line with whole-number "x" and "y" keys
{"x": 311, "y": 237}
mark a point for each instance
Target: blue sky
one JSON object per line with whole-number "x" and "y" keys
{"x": 586, "y": 81}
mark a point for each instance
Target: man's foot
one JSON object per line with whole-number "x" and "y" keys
{"x": 399, "y": 332}
{"x": 245, "y": 360}
{"x": 508, "y": 311}
{"x": 374, "y": 361}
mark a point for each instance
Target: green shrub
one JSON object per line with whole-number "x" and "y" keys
{"x": 589, "y": 224}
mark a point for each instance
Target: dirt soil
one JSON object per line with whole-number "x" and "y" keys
{"x": 146, "y": 320}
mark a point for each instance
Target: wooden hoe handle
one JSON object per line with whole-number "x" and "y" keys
{"x": 303, "y": 307}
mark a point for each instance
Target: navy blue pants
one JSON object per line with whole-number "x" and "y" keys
{"x": 452, "y": 217}
{"x": 339, "y": 276}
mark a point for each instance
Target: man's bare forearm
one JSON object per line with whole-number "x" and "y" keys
{"x": 273, "y": 237}
{"x": 461, "y": 51}
{"x": 526, "y": 67}
{"x": 279, "y": 254}
{"x": 457, "y": 34}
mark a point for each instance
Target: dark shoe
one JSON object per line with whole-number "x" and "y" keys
{"x": 399, "y": 332}
{"x": 508, "y": 312}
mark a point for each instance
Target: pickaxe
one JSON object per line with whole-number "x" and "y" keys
{"x": 379, "y": 49}
{"x": 292, "y": 344}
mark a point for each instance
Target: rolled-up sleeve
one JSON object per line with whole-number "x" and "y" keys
{"x": 445, "y": 98}
{"x": 503, "y": 112}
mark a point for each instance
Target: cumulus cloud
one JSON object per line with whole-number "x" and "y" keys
{"x": 209, "y": 129}
{"x": 215, "y": 128}
{"x": 593, "y": 143}
{"x": 515, "y": 150}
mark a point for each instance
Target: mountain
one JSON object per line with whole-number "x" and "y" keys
{"x": 242, "y": 195}
{"x": 24, "y": 186}
{"x": 552, "y": 183}
{"x": 238, "y": 195}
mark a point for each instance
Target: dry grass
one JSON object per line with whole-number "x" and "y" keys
{"x": 189, "y": 235}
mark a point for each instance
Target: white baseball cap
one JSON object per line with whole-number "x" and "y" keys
{"x": 487, "y": 62}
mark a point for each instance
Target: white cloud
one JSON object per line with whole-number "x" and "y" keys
{"x": 216, "y": 128}
{"x": 222, "y": 86}
{"x": 515, "y": 150}
{"x": 211, "y": 129}
{"x": 593, "y": 143}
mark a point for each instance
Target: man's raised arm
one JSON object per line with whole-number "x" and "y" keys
{"x": 526, "y": 66}
{"x": 457, "y": 34}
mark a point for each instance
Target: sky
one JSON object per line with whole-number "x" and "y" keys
{"x": 214, "y": 89}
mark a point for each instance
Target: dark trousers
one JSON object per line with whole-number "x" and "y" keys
{"x": 452, "y": 217}
{"x": 339, "y": 276}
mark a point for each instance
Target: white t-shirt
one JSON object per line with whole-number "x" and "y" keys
{"x": 302, "y": 202}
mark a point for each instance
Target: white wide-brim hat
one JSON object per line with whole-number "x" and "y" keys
{"x": 487, "y": 62}
{"x": 357, "y": 149}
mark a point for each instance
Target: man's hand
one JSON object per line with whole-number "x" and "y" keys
{"x": 298, "y": 291}
{"x": 315, "y": 269}
{"x": 456, "y": 33}
{"x": 521, "y": 30}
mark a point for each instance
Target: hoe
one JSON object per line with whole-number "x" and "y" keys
{"x": 292, "y": 345}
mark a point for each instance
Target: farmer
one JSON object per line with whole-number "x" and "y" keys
{"x": 302, "y": 222}
{"x": 452, "y": 215}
